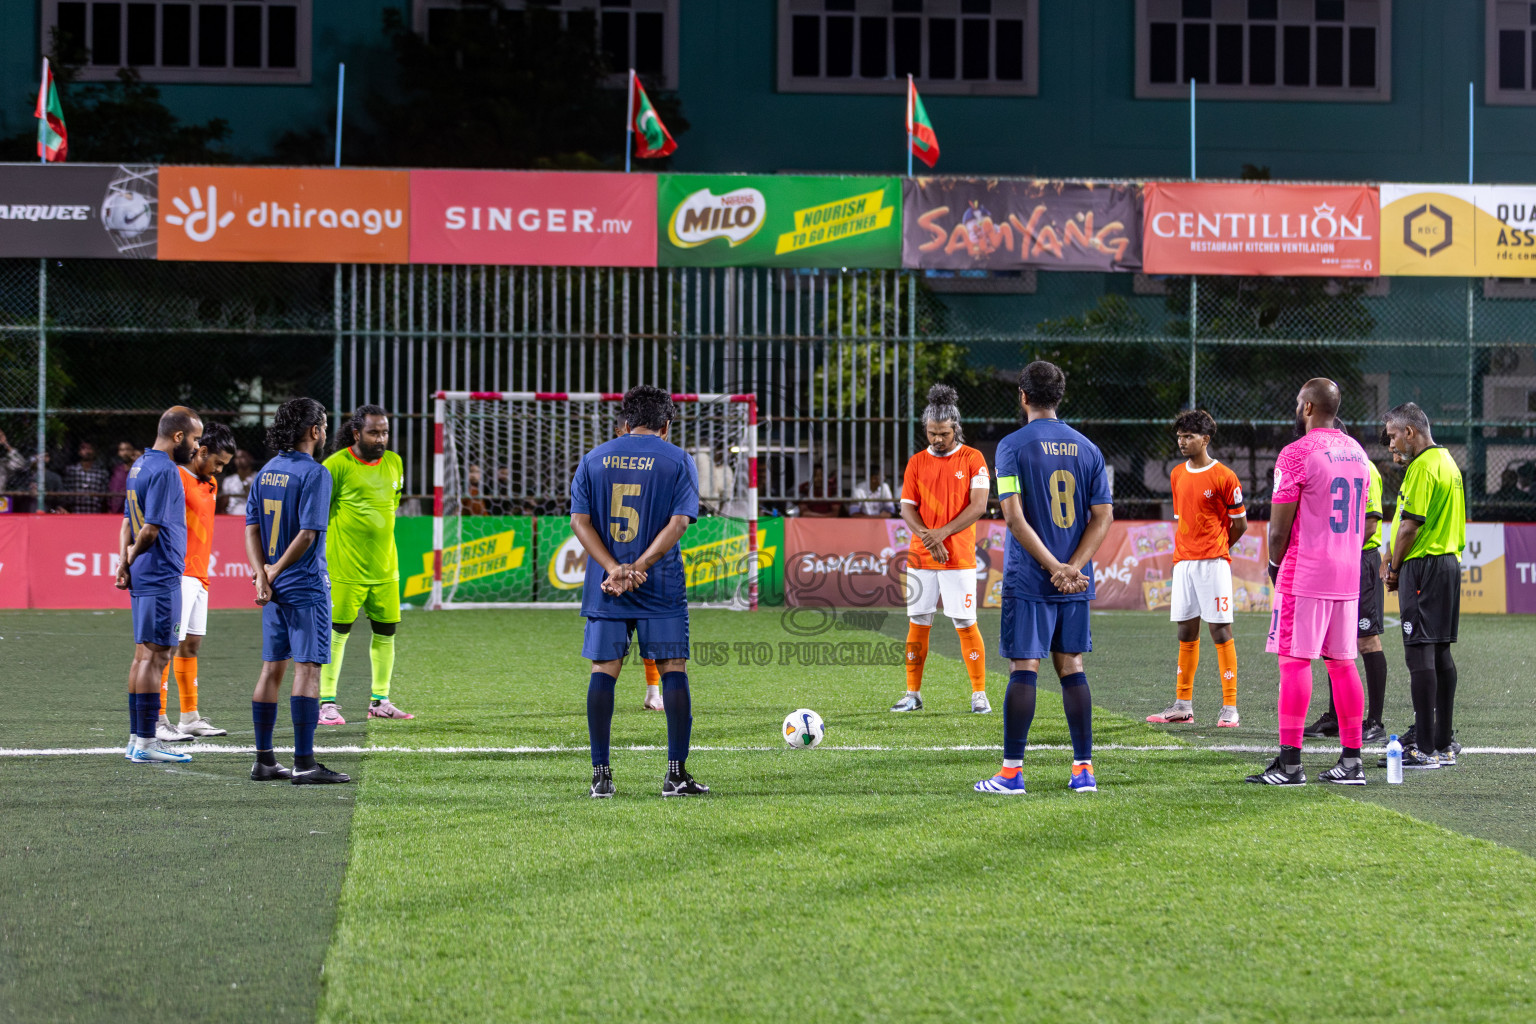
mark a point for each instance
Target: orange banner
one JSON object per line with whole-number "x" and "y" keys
{"x": 284, "y": 215}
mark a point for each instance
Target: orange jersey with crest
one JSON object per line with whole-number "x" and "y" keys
{"x": 1205, "y": 501}
{"x": 940, "y": 488}
{"x": 202, "y": 500}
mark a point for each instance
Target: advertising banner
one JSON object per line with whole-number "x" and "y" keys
{"x": 1482, "y": 570}
{"x": 1134, "y": 568}
{"x": 284, "y": 215}
{"x": 13, "y": 561}
{"x": 1520, "y": 567}
{"x": 1458, "y": 230}
{"x": 1009, "y": 224}
{"x": 768, "y": 220}
{"x": 82, "y": 211}
{"x": 492, "y": 559}
{"x": 1260, "y": 229}
{"x": 714, "y": 554}
{"x": 530, "y": 218}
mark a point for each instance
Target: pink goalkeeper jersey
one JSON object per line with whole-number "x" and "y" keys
{"x": 1326, "y": 474}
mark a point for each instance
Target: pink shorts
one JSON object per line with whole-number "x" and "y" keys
{"x": 1314, "y": 627}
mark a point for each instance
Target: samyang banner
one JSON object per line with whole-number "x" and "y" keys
{"x": 1458, "y": 230}
{"x": 770, "y": 220}
{"x": 1260, "y": 230}
{"x": 78, "y": 211}
{"x": 533, "y": 218}
{"x": 1010, "y": 224}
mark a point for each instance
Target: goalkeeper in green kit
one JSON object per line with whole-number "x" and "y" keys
{"x": 366, "y": 481}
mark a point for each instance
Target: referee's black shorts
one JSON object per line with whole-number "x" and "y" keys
{"x": 1372, "y": 593}
{"x": 1429, "y": 593}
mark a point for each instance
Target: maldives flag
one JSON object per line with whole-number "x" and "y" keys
{"x": 52, "y": 138}
{"x": 651, "y": 136}
{"x": 925, "y": 144}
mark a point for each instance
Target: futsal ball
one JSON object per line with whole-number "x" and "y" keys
{"x": 127, "y": 213}
{"x": 803, "y": 729}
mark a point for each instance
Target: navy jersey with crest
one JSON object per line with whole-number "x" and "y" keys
{"x": 631, "y": 487}
{"x": 155, "y": 498}
{"x": 1058, "y": 474}
{"x": 293, "y": 493}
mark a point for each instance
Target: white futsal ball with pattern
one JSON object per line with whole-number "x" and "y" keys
{"x": 803, "y": 729}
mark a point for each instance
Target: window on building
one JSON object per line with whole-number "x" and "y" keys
{"x": 1265, "y": 49}
{"x": 226, "y": 41}
{"x": 1510, "y": 64}
{"x": 639, "y": 34}
{"x": 974, "y": 47}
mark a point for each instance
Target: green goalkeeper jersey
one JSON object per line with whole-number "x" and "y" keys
{"x": 360, "y": 543}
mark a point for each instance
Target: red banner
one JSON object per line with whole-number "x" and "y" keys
{"x": 1261, "y": 230}
{"x": 13, "y": 561}
{"x": 531, "y": 218}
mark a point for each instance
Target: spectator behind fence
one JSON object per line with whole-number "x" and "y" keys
{"x": 876, "y": 488}
{"x": 237, "y": 483}
{"x": 86, "y": 482}
{"x": 26, "y": 481}
{"x": 821, "y": 484}
{"x": 472, "y": 503}
{"x": 127, "y": 454}
{"x": 12, "y": 463}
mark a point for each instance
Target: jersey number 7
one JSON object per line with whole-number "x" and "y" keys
{"x": 274, "y": 508}
{"x": 630, "y": 528}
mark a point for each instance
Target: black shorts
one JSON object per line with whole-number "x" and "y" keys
{"x": 1429, "y": 593}
{"x": 1372, "y": 593}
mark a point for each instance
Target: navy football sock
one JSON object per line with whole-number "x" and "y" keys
{"x": 306, "y": 717}
{"x": 146, "y": 714}
{"x": 1018, "y": 713}
{"x": 600, "y": 715}
{"x": 264, "y": 717}
{"x": 1078, "y": 704}
{"x": 679, "y": 706}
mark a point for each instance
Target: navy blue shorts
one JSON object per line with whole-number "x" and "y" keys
{"x": 1038, "y": 629}
{"x": 298, "y": 631}
{"x": 660, "y": 639}
{"x": 157, "y": 618}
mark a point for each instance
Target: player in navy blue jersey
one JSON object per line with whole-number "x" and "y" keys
{"x": 285, "y": 519}
{"x": 152, "y": 552}
{"x": 631, "y": 500}
{"x": 1055, "y": 497}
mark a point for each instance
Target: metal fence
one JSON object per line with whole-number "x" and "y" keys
{"x": 93, "y": 351}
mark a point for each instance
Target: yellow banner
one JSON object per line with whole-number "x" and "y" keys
{"x": 832, "y": 222}
{"x": 471, "y": 560}
{"x": 1458, "y": 230}
{"x": 723, "y": 559}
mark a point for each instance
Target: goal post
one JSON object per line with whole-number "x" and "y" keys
{"x": 502, "y": 466}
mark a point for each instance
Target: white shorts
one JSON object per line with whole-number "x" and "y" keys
{"x": 1202, "y": 589}
{"x": 194, "y": 607}
{"x": 956, "y": 587}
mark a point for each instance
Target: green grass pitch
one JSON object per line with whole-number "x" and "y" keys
{"x": 834, "y": 884}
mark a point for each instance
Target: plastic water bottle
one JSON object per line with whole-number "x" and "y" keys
{"x": 1394, "y": 762}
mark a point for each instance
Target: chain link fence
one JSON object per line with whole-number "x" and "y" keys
{"x": 92, "y": 351}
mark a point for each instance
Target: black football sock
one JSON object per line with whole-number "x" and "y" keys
{"x": 678, "y": 705}
{"x": 1375, "y": 684}
{"x": 1018, "y": 713}
{"x": 1422, "y": 684}
{"x": 1290, "y": 758}
{"x": 1445, "y": 696}
{"x": 600, "y": 715}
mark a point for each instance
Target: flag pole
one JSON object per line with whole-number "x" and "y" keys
{"x": 341, "y": 85}
{"x": 1191, "y": 134}
{"x": 1471, "y": 134}
{"x": 42, "y": 92}
{"x": 909, "y": 124}
{"x": 629, "y": 122}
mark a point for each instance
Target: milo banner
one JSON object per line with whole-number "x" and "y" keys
{"x": 1010, "y": 224}
{"x": 769, "y": 220}
{"x": 1458, "y": 230}
{"x": 87, "y": 211}
{"x": 491, "y": 559}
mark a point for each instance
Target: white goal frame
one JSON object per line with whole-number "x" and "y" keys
{"x": 439, "y": 416}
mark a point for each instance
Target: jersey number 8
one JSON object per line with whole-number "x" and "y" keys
{"x": 630, "y": 528}
{"x": 1063, "y": 487}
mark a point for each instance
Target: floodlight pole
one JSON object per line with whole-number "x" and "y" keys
{"x": 1194, "y": 281}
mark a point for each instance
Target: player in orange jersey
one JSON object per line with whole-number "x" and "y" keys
{"x": 1208, "y": 504}
{"x": 199, "y": 480}
{"x": 652, "y": 673}
{"x": 943, "y": 492}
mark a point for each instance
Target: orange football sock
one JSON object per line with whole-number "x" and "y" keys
{"x": 917, "y": 653}
{"x": 652, "y": 673}
{"x": 975, "y": 653}
{"x": 1226, "y": 661}
{"x": 165, "y": 678}
{"x": 1011, "y": 773}
{"x": 186, "y": 683}
{"x": 1189, "y": 660}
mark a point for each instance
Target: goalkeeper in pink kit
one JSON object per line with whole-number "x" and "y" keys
{"x": 1316, "y": 528}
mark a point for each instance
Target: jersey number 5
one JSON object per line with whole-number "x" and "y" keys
{"x": 1063, "y": 497}
{"x": 274, "y": 508}
{"x": 629, "y": 529}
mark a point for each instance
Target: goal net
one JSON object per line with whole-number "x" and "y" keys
{"x": 503, "y": 464}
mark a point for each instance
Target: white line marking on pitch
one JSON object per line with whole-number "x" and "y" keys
{"x": 222, "y": 748}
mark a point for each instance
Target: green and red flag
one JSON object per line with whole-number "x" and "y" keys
{"x": 52, "y": 138}
{"x": 925, "y": 144}
{"x": 651, "y": 136}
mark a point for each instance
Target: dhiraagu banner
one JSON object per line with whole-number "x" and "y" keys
{"x": 490, "y": 559}
{"x": 770, "y": 220}
{"x": 1458, "y": 230}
